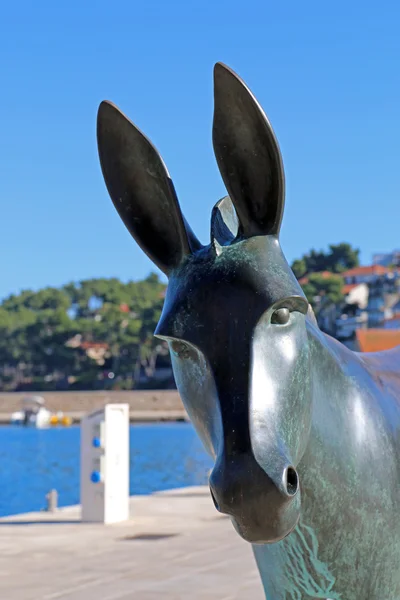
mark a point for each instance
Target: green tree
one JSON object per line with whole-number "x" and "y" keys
{"x": 299, "y": 267}
{"x": 343, "y": 257}
{"x": 319, "y": 289}
{"x": 339, "y": 258}
{"x": 45, "y": 299}
{"x": 42, "y": 334}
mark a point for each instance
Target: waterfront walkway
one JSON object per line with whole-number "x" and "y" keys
{"x": 175, "y": 547}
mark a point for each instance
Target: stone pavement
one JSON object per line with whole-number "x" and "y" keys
{"x": 175, "y": 547}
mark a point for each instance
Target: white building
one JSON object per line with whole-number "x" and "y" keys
{"x": 356, "y": 293}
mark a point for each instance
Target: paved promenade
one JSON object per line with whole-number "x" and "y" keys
{"x": 175, "y": 547}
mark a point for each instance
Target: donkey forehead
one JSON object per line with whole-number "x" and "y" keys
{"x": 239, "y": 284}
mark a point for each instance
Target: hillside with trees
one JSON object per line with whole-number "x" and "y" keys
{"x": 91, "y": 335}
{"x": 319, "y": 272}
{"x": 339, "y": 258}
{"x": 98, "y": 334}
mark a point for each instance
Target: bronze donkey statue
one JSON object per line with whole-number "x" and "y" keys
{"x": 304, "y": 432}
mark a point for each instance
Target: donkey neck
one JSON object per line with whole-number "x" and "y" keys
{"x": 330, "y": 358}
{"x": 348, "y": 400}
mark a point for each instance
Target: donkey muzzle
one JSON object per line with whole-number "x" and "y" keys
{"x": 263, "y": 510}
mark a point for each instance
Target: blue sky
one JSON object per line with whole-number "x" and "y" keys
{"x": 327, "y": 75}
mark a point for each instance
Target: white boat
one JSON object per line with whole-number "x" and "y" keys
{"x": 32, "y": 414}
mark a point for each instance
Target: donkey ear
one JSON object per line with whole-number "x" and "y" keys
{"x": 141, "y": 190}
{"x": 224, "y": 224}
{"x": 248, "y": 155}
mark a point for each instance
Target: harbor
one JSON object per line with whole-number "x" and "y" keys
{"x": 144, "y": 406}
{"x": 174, "y": 542}
{"x": 162, "y": 456}
{"x": 174, "y": 546}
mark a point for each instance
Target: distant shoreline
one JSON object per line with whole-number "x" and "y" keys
{"x": 148, "y": 406}
{"x": 139, "y": 417}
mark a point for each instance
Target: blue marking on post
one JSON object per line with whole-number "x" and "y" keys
{"x": 96, "y": 442}
{"x": 95, "y": 477}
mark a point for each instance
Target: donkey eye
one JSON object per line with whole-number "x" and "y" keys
{"x": 280, "y": 316}
{"x": 180, "y": 349}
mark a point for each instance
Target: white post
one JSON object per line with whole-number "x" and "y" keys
{"x": 105, "y": 465}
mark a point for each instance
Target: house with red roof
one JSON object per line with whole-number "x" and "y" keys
{"x": 342, "y": 321}
{"x": 366, "y": 274}
{"x": 371, "y": 301}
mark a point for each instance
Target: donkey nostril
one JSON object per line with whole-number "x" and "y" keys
{"x": 291, "y": 481}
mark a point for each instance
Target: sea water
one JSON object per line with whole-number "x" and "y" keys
{"x": 34, "y": 461}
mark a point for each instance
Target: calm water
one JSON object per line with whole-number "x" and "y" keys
{"x": 33, "y": 461}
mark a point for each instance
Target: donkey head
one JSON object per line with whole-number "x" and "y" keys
{"x": 234, "y": 315}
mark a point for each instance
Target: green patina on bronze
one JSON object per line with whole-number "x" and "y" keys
{"x": 304, "y": 432}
